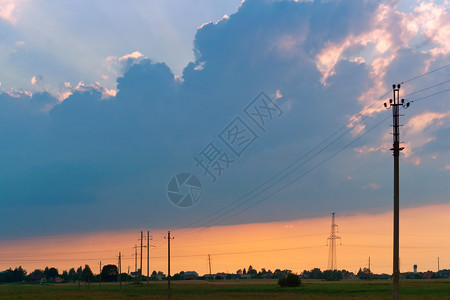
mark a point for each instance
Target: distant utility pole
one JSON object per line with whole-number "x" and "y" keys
{"x": 140, "y": 270}
{"x": 209, "y": 261}
{"x": 369, "y": 264}
{"x": 438, "y": 263}
{"x": 135, "y": 262}
{"x": 395, "y": 105}
{"x": 168, "y": 263}
{"x": 119, "y": 270}
{"x": 100, "y": 278}
{"x": 332, "y": 262}
{"x": 148, "y": 257}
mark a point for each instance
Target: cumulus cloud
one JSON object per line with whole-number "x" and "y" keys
{"x": 117, "y": 66}
{"x": 393, "y": 35}
{"x": 420, "y": 130}
{"x": 81, "y": 87}
{"x": 7, "y": 8}
{"x": 37, "y": 79}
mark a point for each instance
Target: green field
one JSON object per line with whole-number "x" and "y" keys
{"x": 233, "y": 289}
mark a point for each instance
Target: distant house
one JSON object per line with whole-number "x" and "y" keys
{"x": 428, "y": 275}
{"x": 190, "y": 275}
{"x": 157, "y": 276}
{"x": 246, "y": 276}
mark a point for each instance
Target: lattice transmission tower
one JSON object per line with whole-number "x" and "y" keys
{"x": 331, "y": 241}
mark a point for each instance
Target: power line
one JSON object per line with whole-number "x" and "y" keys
{"x": 284, "y": 169}
{"x": 290, "y": 172}
{"x": 241, "y": 252}
{"x": 427, "y": 88}
{"x": 304, "y": 174}
{"x": 293, "y": 163}
{"x": 420, "y": 99}
{"x": 305, "y": 155}
{"x": 57, "y": 253}
{"x": 258, "y": 240}
{"x": 390, "y": 246}
{"x": 388, "y": 234}
{"x": 425, "y": 74}
{"x": 66, "y": 259}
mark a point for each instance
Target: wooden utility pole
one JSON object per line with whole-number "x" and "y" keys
{"x": 119, "y": 270}
{"x": 140, "y": 270}
{"x": 209, "y": 261}
{"x": 100, "y": 278}
{"x": 148, "y": 257}
{"x": 135, "y": 262}
{"x": 395, "y": 105}
{"x": 168, "y": 263}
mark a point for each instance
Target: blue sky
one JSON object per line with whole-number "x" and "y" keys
{"x": 102, "y": 102}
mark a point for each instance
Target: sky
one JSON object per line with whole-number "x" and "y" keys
{"x": 296, "y": 245}
{"x": 260, "y": 112}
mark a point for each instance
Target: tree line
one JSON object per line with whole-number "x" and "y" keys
{"x": 109, "y": 273}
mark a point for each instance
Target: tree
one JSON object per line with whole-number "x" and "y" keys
{"x": 109, "y": 273}
{"x": 364, "y": 274}
{"x": 87, "y": 274}
{"x": 252, "y": 271}
{"x": 315, "y": 273}
{"x": 36, "y": 275}
{"x": 79, "y": 273}
{"x": 65, "y": 275}
{"x": 72, "y": 275}
{"x": 279, "y": 274}
{"x": 153, "y": 276}
{"x": 19, "y": 274}
{"x": 291, "y": 280}
{"x": 79, "y": 276}
{"x": 332, "y": 275}
{"x": 10, "y": 275}
{"x": 50, "y": 274}
{"x": 162, "y": 275}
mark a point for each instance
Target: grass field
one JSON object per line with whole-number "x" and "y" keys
{"x": 233, "y": 289}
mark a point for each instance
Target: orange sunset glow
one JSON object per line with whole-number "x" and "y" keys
{"x": 297, "y": 244}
